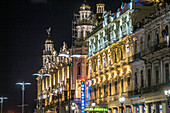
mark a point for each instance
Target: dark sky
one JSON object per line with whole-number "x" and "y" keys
{"x": 23, "y": 24}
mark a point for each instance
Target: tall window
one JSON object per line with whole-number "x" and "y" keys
{"x": 149, "y": 39}
{"x": 157, "y": 37}
{"x": 136, "y": 80}
{"x": 128, "y": 81}
{"x": 105, "y": 90}
{"x": 115, "y": 58}
{"x": 78, "y": 70}
{"x": 136, "y": 45}
{"x": 149, "y": 77}
{"x": 122, "y": 85}
{"x": 115, "y": 87}
{"x": 94, "y": 93}
{"x": 110, "y": 88}
{"x": 157, "y": 75}
{"x": 142, "y": 79}
{"x": 167, "y": 72}
{"x": 141, "y": 44}
{"x": 121, "y": 54}
{"x": 100, "y": 92}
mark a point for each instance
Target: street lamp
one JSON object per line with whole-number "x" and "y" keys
{"x": 2, "y": 100}
{"x": 93, "y": 105}
{"x": 41, "y": 75}
{"x": 167, "y": 94}
{"x": 73, "y": 107}
{"x": 69, "y": 64}
{"x": 122, "y": 100}
{"x": 23, "y": 84}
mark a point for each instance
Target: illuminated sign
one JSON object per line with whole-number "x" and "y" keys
{"x": 82, "y": 95}
{"x": 95, "y": 109}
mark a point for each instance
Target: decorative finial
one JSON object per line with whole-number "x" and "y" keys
{"x": 48, "y": 31}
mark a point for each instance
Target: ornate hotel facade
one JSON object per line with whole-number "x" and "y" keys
{"x": 123, "y": 54}
{"x": 129, "y": 56}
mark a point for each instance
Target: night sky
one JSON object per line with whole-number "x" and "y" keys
{"x": 22, "y": 36}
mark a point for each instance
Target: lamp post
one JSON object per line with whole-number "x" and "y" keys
{"x": 2, "y": 100}
{"x": 167, "y": 94}
{"x": 57, "y": 93}
{"x": 23, "y": 84}
{"x": 93, "y": 105}
{"x": 69, "y": 64}
{"x": 41, "y": 78}
{"x": 122, "y": 100}
{"x": 73, "y": 107}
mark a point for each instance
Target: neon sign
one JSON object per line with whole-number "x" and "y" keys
{"x": 95, "y": 109}
{"x": 82, "y": 95}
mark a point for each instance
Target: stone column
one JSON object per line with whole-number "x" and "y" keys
{"x": 139, "y": 77}
{"x": 153, "y": 80}
{"x": 156, "y": 107}
{"x": 147, "y": 108}
{"x": 141, "y": 109}
{"x": 127, "y": 109}
{"x": 144, "y": 74}
{"x": 114, "y": 110}
{"x": 134, "y": 109}
{"x": 164, "y": 107}
{"x": 163, "y": 80}
{"x": 120, "y": 109}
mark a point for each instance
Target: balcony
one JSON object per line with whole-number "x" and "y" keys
{"x": 104, "y": 100}
{"x": 151, "y": 89}
{"x": 151, "y": 49}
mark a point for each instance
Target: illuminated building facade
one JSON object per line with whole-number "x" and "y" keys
{"x": 85, "y": 23}
{"x": 129, "y": 56}
{"x": 53, "y": 90}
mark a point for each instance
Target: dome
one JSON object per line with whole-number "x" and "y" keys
{"x": 48, "y": 41}
{"x": 85, "y": 6}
